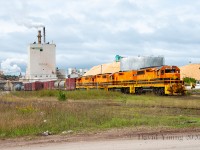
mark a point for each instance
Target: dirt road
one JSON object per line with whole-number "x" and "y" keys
{"x": 117, "y": 144}
{"x": 123, "y": 139}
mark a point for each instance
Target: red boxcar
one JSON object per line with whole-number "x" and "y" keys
{"x": 46, "y": 85}
{"x": 70, "y": 84}
{"x": 27, "y": 86}
{"x": 51, "y": 85}
{"x": 37, "y": 86}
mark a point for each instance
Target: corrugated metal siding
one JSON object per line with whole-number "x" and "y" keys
{"x": 135, "y": 63}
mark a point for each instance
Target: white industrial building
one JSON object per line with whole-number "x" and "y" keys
{"x": 41, "y": 61}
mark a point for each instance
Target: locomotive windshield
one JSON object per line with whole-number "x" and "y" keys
{"x": 171, "y": 71}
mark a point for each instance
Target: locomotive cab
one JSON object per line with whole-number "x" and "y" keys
{"x": 171, "y": 77}
{"x": 170, "y": 73}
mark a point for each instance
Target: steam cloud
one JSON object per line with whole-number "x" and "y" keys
{"x": 34, "y": 25}
{"x": 30, "y": 24}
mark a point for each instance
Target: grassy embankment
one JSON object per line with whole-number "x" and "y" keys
{"x": 31, "y": 113}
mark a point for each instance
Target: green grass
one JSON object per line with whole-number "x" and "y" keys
{"x": 75, "y": 95}
{"x": 31, "y": 113}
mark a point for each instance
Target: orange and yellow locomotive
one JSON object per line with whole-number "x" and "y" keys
{"x": 164, "y": 80}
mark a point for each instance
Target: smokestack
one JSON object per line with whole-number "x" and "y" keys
{"x": 39, "y": 37}
{"x": 44, "y": 35}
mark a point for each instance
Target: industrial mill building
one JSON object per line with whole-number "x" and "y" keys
{"x": 41, "y": 60}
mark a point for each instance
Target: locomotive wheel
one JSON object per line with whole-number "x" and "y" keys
{"x": 155, "y": 91}
{"x": 122, "y": 90}
{"x": 138, "y": 91}
{"x": 125, "y": 90}
{"x": 141, "y": 90}
{"x": 161, "y": 91}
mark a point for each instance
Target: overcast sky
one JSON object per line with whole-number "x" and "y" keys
{"x": 91, "y": 32}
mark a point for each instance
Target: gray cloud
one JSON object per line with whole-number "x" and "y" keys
{"x": 91, "y": 32}
{"x": 13, "y": 65}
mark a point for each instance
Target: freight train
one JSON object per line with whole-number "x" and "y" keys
{"x": 163, "y": 80}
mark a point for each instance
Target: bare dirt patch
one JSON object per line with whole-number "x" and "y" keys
{"x": 125, "y": 133}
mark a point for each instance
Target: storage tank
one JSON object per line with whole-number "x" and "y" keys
{"x": 22, "y": 88}
{"x": 69, "y": 71}
{"x": 62, "y": 85}
{"x": 56, "y": 84}
{"x": 18, "y": 87}
{"x": 135, "y": 63}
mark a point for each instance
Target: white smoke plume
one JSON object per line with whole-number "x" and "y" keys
{"x": 34, "y": 25}
{"x": 30, "y": 24}
{"x": 13, "y": 66}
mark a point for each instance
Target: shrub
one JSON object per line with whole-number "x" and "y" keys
{"x": 189, "y": 80}
{"x": 62, "y": 96}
